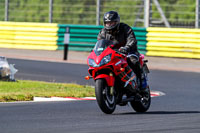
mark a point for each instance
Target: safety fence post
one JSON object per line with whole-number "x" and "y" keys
{"x": 98, "y": 10}
{"x": 6, "y": 10}
{"x": 197, "y": 16}
{"x": 147, "y": 4}
{"x": 50, "y": 11}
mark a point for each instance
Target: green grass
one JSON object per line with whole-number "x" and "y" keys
{"x": 24, "y": 90}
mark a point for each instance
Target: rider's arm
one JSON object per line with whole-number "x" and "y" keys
{"x": 131, "y": 41}
{"x": 101, "y": 35}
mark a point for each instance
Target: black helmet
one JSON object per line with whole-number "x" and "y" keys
{"x": 111, "y": 16}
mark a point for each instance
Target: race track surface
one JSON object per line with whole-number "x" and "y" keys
{"x": 176, "y": 112}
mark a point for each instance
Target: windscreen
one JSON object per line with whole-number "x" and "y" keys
{"x": 101, "y": 45}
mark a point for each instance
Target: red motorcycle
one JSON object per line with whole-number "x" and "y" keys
{"x": 115, "y": 82}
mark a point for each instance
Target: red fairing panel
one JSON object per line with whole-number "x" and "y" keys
{"x": 109, "y": 79}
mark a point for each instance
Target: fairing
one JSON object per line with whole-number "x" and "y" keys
{"x": 101, "y": 50}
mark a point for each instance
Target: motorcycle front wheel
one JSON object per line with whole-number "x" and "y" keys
{"x": 105, "y": 98}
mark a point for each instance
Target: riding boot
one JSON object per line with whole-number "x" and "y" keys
{"x": 136, "y": 68}
{"x": 140, "y": 76}
{"x": 143, "y": 80}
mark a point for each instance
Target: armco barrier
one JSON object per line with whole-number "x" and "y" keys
{"x": 84, "y": 37}
{"x": 173, "y": 42}
{"x": 25, "y": 35}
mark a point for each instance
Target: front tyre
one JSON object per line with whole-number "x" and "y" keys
{"x": 105, "y": 99}
{"x": 143, "y": 103}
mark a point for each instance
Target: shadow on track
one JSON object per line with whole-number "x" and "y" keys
{"x": 161, "y": 113}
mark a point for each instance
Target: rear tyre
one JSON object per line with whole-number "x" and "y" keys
{"x": 105, "y": 100}
{"x": 143, "y": 103}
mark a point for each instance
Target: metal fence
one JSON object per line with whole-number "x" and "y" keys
{"x": 137, "y": 13}
{"x": 175, "y": 13}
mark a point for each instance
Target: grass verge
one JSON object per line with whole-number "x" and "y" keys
{"x": 25, "y": 90}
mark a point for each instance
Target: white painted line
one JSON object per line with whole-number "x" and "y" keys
{"x": 43, "y": 99}
{"x": 157, "y": 93}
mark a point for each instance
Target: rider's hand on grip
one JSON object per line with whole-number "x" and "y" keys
{"x": 123, "y": 50}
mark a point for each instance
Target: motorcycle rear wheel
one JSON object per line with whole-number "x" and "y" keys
{"x": 105, "y": 100}
{"x": 143, "y": 104}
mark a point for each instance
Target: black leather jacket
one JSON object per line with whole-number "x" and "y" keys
{"x": 124, "y": 37}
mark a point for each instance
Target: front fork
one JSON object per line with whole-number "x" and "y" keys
{"x": 110, "y": 80}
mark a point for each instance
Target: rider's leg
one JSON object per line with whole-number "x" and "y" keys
{"x": 133, "y": 61}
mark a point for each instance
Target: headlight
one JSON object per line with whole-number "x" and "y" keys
{"x": 104, "y": 61}
{"x": 92, "y": 63}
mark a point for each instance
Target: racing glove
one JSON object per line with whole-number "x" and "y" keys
{"x": 124, "y": 50}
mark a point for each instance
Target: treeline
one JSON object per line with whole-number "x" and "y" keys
{"x": 84, "y": 11}
{"x": 177, "y": 10}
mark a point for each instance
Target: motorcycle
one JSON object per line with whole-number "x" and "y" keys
{"x": 115, "y": 81}
{"x": 7, "y": 71}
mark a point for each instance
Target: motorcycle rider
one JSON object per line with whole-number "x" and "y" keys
{"x": 125, "y": 41}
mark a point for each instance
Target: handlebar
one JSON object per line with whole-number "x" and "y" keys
{"x": 117, "y": 51}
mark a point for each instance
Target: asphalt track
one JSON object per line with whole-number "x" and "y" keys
{"x": 176, "y": 112}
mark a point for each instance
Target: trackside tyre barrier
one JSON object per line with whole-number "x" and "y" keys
{"x": 152, "y": 41}
{"x": 26, "y": 35}
{"x": 173, "y": 42}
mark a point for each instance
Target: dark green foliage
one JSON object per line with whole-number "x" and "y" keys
{"x": 84, "y": 11}
{"x": 127, "y": 9}
{"x": 74, "y": 11}
{"x": 28, "y": 10}
{"x": 2, "y": 9}
{"x": 176, "y": 10}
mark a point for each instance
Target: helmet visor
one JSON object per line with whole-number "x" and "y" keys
{"x": 110, "y": 24}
